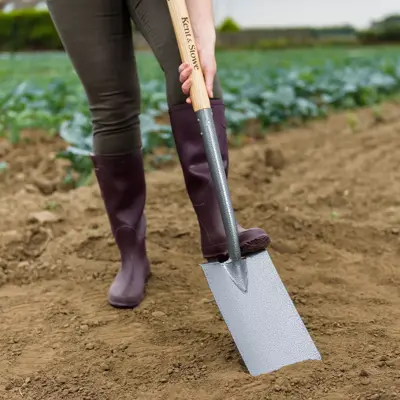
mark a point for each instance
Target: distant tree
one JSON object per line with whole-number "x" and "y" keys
{"x": 387, "y": 22}
{"x": 229, "y": 25}
{"x": 386, "y": 30}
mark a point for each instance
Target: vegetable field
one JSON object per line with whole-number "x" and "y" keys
{"x": 313, "y": 161}
{"x": 274, "y": 89}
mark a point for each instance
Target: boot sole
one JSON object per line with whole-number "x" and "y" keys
{"x": 246, "y": 248}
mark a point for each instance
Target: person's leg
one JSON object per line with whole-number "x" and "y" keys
{"x": 153, "y": 20}
{"x": 97, "y": 37}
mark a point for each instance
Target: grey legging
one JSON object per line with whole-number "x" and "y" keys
{"x": 97, "y": 36}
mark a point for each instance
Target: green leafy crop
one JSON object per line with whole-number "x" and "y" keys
{"x": 277, "y": 91}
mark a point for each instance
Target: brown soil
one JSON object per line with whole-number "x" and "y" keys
{"x": 328, "y": 195}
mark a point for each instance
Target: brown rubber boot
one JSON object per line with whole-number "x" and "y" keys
{"x": 190, "y": 148}
{"x": 122, "y": 184}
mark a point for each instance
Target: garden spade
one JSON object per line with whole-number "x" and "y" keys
{"x": 258, "y": 311}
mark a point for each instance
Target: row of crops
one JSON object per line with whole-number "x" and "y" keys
{"x": 276, "y": 93}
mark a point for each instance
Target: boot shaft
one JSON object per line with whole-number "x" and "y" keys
{"x": 122, "y": 184}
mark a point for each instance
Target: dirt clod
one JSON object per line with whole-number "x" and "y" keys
{"x": 274, "y": 158}
{"x": 158, "y": 314}
{"x": 43, "y": 217}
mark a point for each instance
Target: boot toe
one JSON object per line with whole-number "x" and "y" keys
{"x": 121, "y": 301}
{"x": 123, "y": 296}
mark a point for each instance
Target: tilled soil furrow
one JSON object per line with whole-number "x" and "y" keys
{"x": 327, "y": 195}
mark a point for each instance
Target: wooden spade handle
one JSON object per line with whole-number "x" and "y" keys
{"x": 188, "y": 51}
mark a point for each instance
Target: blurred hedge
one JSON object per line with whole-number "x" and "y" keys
{"x": 285, "y": 43}
{"x": 28, "y": 30}
{"x": 383, "y": 34}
